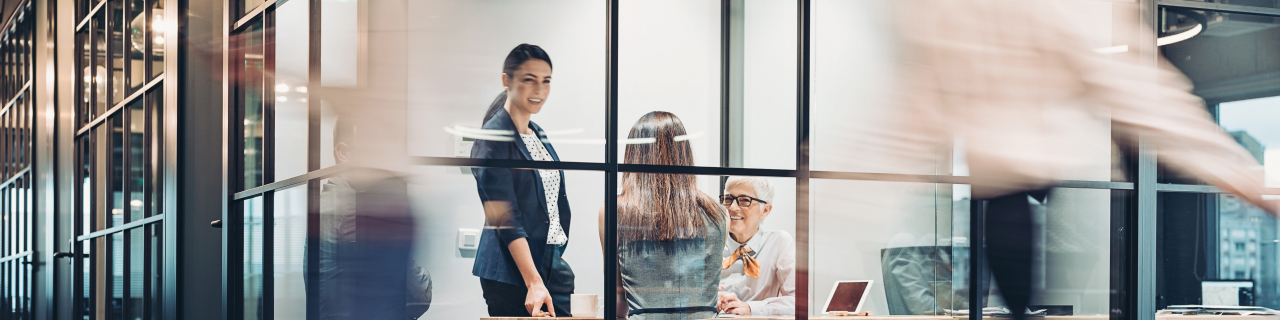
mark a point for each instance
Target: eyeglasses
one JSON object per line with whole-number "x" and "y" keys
{"x": 743, "y": 201}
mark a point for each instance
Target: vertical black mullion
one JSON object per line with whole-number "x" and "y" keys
{"x": 314, "y": 118}
{"x": 802, "y": 160}
{"x": 268, "y": 162}
{"x": 233, "y": 223}
{"x": 611, "y": 159}
{"x": 1143, "y": 249}
{"x": 977, "y": 258}
{"x": 725, "y": 36}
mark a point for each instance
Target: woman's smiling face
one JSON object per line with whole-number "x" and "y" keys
{"x": 529, "y": 86}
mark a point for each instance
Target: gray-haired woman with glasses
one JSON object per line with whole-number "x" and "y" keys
{"x": 759, "y": 266}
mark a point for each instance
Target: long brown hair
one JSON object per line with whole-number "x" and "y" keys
{"x": 662, "y": 206}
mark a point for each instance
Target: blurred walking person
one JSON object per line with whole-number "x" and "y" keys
{"x": 1016, "y": 84}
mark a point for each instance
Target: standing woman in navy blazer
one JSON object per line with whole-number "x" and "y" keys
{"x": 519, "y": 260}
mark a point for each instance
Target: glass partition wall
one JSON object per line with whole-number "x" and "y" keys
{"x": 327, "y": 99}
{"x": 17, "y": 142}
{"x": 119, "y": 237}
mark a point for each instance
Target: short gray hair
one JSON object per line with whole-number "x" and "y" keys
{"x": 764, "y": 189}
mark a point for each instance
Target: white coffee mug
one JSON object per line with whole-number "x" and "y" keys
{"x": 584, "y": 305}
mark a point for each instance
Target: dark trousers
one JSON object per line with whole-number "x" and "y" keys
{"x": 1011, "y": 247}
{"x": 507, "y": 300}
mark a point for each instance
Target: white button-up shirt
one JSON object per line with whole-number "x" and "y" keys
{"x": 774, "y": 293}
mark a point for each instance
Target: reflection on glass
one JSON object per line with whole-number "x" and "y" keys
{"x": 249, "y": 5}
{"x": 1206, "y": 46}
{"x": 651, "y": 54}
{"x": 289, "y": 236}
{"x": 117, "y": 49}
{"x": 115, "y": 277}
{"x": 447, "y": 103}
{"x": 137, "y": 179}
{"x": 291, "y": 103}
{"x": 1216, "y": 237}
{"x": 156, "y": 285}
{"x": 764, "y": 135}
{"x": 135, "y": 44}
{"x": 137, "y": 273}
{"x": 914, "y": 244}
{"x": 85, "y": 104}
{"x": 100, "y": 66}
{"x": 1248, "y": 121}
{"x": 154, "y": 132}
{"x": 116, "y": 179}
{"x": 254, "y": 240}
{"x": 252, "y": 106}
{"x": 156, "y": 33}
{"x": 88, "y": 278}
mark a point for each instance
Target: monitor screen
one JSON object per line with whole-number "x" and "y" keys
{"x": 1226, "y": 292}
{"x": 847, "y": 295}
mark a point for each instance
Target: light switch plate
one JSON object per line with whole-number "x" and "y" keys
{"x": 468, "y": 239}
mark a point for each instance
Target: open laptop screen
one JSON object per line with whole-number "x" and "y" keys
{"x": 847, "y": 296}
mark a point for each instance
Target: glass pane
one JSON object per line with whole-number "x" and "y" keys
{"x": 86, "y": 110}
{"x": 156, "y": 287}
{"x": 672, "y": 66}
{"x": 1216, "y": 250}
{"x": 137, "y": 181}
{"x": 136, "y": 42}
{"x": 118, "y": 49}
{"x": 157, "y": 36}
{"x": 1228, "y": 57}
{"x": 254, "y": 240}
{"x": 155, "y": 151}
{"x": 448, "y": 103}
{"x": 857, "y": 108}
{"x": 115, "y": 277}
{"x": 249, "y": 5}
{"x": 251, "y": 107}
{"x": 116, "y": 178}
{"x": 100, "y": 69}
{"x": 289, "y": 236}
{"x": 85, "y": 192}
{"x": 291, "y": 120}
{"x": 764, "y": 136}
{"x": 916, "y": 252}
{"x": 137, "y": 273}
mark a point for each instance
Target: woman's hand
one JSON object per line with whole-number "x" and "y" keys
{"x": 728, "y": 302}
{"x": 536, "y": 298}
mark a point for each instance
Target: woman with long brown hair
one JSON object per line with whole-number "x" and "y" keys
{"x": 670, "y": 235}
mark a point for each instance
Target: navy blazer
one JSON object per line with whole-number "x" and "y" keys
{"x": 522, "y": 189}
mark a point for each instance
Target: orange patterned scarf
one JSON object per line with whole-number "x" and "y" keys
{"x": 749, "y": 265}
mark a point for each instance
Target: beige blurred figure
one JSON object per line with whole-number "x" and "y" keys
{"x": 1015, "y": 82}
{"x": 1009, "y": 78}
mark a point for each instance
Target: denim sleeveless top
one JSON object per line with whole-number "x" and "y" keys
{"x": 672, "y": 279}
